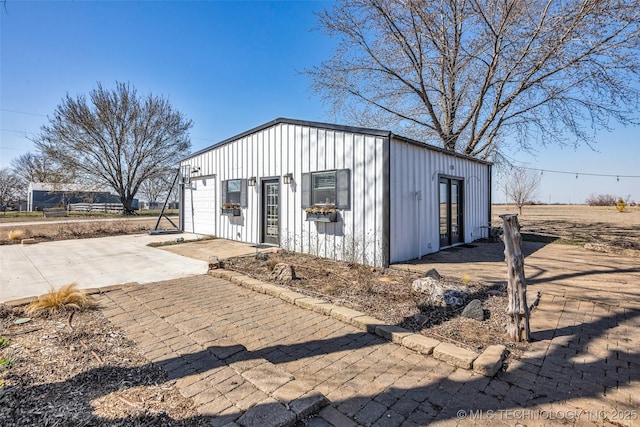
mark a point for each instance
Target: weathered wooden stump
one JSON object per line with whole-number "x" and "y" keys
{"x": 517, "y": 308}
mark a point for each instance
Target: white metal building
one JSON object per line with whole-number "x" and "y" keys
{"x": 394, "y": 198}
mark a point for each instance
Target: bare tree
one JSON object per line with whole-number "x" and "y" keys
{"x": 466, "y": 73}
{"x": 10, "y": 186}
{"x": 36, "y": 167}
{"x": 116, "y": 138}
{"x": 154, "y": 188}
{"x": 521, "y": 186}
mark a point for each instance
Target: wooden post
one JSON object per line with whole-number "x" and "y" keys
{"x": 517, "y": 308}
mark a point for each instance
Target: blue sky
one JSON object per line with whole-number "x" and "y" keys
{"x": 228, "y": 66}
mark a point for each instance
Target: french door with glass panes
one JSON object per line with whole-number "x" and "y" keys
{"x": 271, "y": 211}
{"x": 451, "y": 209}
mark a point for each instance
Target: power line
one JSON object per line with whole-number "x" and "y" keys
{"x": 577, "y": 174}
{"x": 22, "y": 112}
{"x": 25, "y": 132}
{"x": 15, "y": 131}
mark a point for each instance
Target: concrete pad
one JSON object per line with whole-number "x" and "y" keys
{"x": 221, "y": 248}
{"x": 33, "y": 270}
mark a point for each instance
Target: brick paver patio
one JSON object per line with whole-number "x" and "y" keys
{"x": 246, "y": 358}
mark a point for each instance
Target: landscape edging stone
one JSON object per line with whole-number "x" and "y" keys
{"x": 464, "y": 358}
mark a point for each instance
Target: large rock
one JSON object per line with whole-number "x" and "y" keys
{"x": 262, "y": 256}
{"x": 214, "y": 262}
{"x": 283, "y": 272}
{"x": 433, "y": 273}
{"x": 440, "y": 294}
{"x": 474, "y": 310}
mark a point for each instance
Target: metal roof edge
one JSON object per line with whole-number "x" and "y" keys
{"x": 344, "y": 128}
{"x": 439, "y": 149}
{"x": 280, "y": 120}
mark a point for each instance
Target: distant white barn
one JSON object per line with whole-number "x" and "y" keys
{"x": 394, "y": 198}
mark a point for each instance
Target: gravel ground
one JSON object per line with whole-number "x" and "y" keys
{"x": 87, "y": 374}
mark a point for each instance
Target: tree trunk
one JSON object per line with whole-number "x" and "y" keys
{"x": 127, "y": 202}
{"x": 516, "y": 285}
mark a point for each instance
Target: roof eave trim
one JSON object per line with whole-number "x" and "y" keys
{"x": 284, "y": 120}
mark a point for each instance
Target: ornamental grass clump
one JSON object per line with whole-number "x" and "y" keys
{"x": 68, "y": 297}
{"x": 16, "y": 234}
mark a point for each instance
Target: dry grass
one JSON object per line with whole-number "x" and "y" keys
{"x": 577, "y": 224}
{"x": 16, "y": 234}
{"x": 44, "y": 232}
{"x": 69, "y": 297}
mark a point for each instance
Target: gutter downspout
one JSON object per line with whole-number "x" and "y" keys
{"x": 386, "y": 197}
{"x": 489, "y": 189}
{"x": 418, "y": 197}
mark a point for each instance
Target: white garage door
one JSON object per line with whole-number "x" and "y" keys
{"x": 200, "y": 206}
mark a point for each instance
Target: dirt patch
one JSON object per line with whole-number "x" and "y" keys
{"x": 89, "y": 375}
{"x": 387, "y": 294}
{"x": 577, "y": 224}
{"x": 43, "y": 232}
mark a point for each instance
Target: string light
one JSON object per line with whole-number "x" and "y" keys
{"x": 577, "y": 174}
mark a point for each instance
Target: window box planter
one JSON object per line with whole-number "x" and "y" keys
{"x": 322, "y": 217}
{"x": 322, "y": 213}
{"x": 230, "y": 210}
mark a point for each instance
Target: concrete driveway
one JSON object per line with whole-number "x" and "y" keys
{"x": 32, "y": 270}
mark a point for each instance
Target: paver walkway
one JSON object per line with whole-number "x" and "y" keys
{"x": 252, "y": 359}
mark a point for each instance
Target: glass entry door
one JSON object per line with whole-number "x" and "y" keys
{"x": 271, "y": 211}
{"x": 451, "y": 209}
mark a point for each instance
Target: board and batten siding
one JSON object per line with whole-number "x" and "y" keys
{"x": 414, "y": 211}
{"x": 270, "y": 153}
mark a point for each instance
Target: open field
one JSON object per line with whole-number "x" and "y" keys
{"x": 577, "y": 224}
